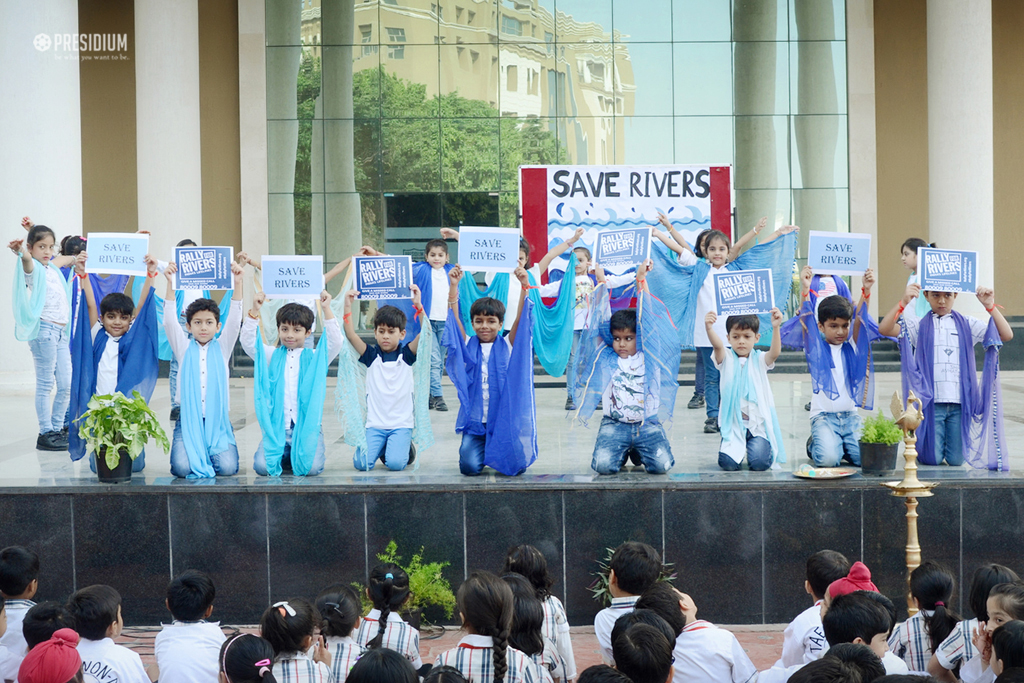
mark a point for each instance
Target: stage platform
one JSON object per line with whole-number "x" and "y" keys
{"x": 738, "y": 540}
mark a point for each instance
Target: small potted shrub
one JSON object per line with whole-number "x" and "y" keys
{"x": 879, "y": 443}
{"x": 427, "y": 586}
{"x": 116, "y": 429}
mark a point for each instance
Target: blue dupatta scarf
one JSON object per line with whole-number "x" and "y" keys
{"x": 28, "y": 306}
{"x": 213, "y": 434}
{"x": 741, "y": 381}
{"x": 422, "y": 276}
{"x": 179, "y": 301}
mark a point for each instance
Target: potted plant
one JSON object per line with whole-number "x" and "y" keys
{"x": 599, "y": 588}
{"x": 427, "y": 587}
{"x": 116, "y": 429}
{"x": 879, "y": 443}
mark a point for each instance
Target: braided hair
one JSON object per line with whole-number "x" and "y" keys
{"x": 485, "y": 602}
{"x": 339, "y": 606}
{"x": 247, "y": 658}
{"x": 388, "y": 589}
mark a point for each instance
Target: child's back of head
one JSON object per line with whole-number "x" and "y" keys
{"x": 636, "y": 567}
{"x": 642, "y": 616}
{"x": 824, "y": 567}
{"x": 486, "y": 605}
{"x": 190, "y": 596}
{"x": 601, "y": 673}
{"x": 382, "y": 666}
{"x": 854, "y": 616}
{"x": 19, "y": 568}
{"x": 531, "y": 563}
{"x": 56, "y": 660}
{"x": 444, "y": 674}
{"x": 663, "y": 600}
{"x": 287, "y": 624}
{"x": 1008, "y": 644}
{"x": 1008, "y": 598}
{"x": 932, "y": 585}
{"x": 886, "y": 604}
{"x": 828, "y": 670}
{"x": 247, "y": 658}
{"x": 340, "y": 608}
{"x": 1011, "y": 676}
{"x": 43, "y": 620}
{"x": 644, "y": 654}
{"x": 526, "y": 634}
{"x": 861, "y": 657}
{"x": 987, "y": 577}
{"x": 95, "y": 609}
{"x": 389, "y": 589}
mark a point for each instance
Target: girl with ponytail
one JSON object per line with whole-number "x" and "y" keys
{"x": 292, "y": 627}
{"x": 340, "y": 608}
{"x": 485, "y": 604}
{"x": 931, "y": 587}
{"x": 388, "y": 590}
{"x": 246, "y": 658}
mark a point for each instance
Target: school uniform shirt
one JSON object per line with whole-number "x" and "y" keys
{"x": 298, "y": 667}
{"x": 804, "y": 639}
{"x": 546, "y": 664}
{"x": 947, "y": 351}
{"x": 399, "y": 636}
{"x": 249, "y": 337}
{"x": 820, "y": 402}
{"x": 187, "y": 651}
{"x": 555, "y": 628}
{"x": 705, "y": 303}
{"x": 224, "y": 345}
{"x": 604, "y": 621}
{"x": 103, "y": 661}
{"x": 344, "y": 654}
{"x": 909, "y": 641}
{"x": 957, "y": 648}
{"x": 705, "y": 653}
{"x": 9, "y": 665}
{"x": 56, "y": 307}
{"x": 474, "y": 657}
{"x": 623, "y": 399}
{"x": 439, "y": 287}
{"x": 388, "y": 387}
{"x": 894, "y": 666}
{"x": 14, "y": 638}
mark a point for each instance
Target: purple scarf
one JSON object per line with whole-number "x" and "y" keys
{"x": 981, "y": 421}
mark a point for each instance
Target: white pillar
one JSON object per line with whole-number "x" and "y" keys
{"x": 960, "y": 203}
{"x": 41, "y": 152}
{"x": 252, "y": 125}
{"x": 167, "y": 122}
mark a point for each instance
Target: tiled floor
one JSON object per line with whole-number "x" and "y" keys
{"x": 565, "y": 447}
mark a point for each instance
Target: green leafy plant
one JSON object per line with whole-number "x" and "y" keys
{"x": 880, "y": 429}
{"x": 599, "y": 589}
{"x": 427, "y": 585}
{"x": 117, "y": 422}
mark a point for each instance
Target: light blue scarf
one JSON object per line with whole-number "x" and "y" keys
{"x": 269, "y": 396}
{"x": 28, "y": 306}
{"x": 746, "y": 381}
{"x": 179, "y": 300}
{"x": 212, "y": 435}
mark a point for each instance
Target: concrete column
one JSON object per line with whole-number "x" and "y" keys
{"x": 960, "y": 175}
{"x": 167, "y": 122}
{"x": 40, "y": 157}
{"x": 283, "y": 27}
{"x": 252, "y": 125}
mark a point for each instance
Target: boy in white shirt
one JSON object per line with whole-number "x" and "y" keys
{"x": 859, "y": 618}
{"x": 187, "y": 649}
{"x": 804, "y": 640}
{"x": 642, "y": 649}
{"x": 703, "y": 652}
{"x": 97, "y": 612}
{"x": 19, "y": 581}
{"x": 634, "y": 568}
{"x": 389, "y": 386}
{"x": 204, "y": 446}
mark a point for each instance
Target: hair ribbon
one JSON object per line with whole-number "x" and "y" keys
{"x": 283, "y": 607}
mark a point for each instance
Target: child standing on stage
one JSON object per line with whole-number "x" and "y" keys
{"x": 435, "y": 302}
{"x": 908, "y": 257}
{"x": 937, "y": 356}
{"x": 388, "y": 590}
{"x": 42, "y": 313}
{"x": 747, "y": 420}
{"x": 204, "y": 442}
{"x": 290, "y": 385}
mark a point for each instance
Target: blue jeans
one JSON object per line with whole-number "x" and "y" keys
{"x": 711, "y": 377}
{"x": 614, "y": 438}
{"x": 835, "y": 437}
{"x": 570, "y": 369}
{"x": 52, "y": 356}
{"x": 471, "y": 454}
{"x": 698, "y": 376}
{"x": 394, "y": 442}
{"x": 949, "y": 444}
{"x": 172, "y": 376}
{"x": 436, "y": 357}
{"x": 259, "y": 464}
{"x": 759, "y": 456}
{"x": 224, "y": 463}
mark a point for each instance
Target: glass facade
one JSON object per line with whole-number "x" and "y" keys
{"x": 388, "y": 119}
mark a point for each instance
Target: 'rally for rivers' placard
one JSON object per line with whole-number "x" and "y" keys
{"x": 744, "y": 292}
{"x": 946, "y": 270}
{"x": 383, "y": 277}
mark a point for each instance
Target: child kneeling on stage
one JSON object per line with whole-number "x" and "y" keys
{"x": 747, "y": 416}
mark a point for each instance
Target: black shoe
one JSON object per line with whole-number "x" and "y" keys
{"x": 175, "y": 413}
{"x": 440, "y": 406}
{"x": 51, "y": 441}
{"x": 432, "y": 402}
{"x": 696, "y": 401}
{"x": 807, "y": 406}
{"x": 569, "y": 404}
{"x": 711, "y": 426}
{"x": 64, "y": 433}
{"x": 412, "y": 454}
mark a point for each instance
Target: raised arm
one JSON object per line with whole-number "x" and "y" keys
{"x": 524, "y": 280}
{"x": 85, "y": 284}
{"x": 741, "y": 243}
{"x": 716, "y": 342}
{"x": 454, "y": 275}
{"x": 776, "y": 348}
{"x": 987, "y": 297}
{"x": 449, "y": 234}
{"x": 784, "y": 230}
{"x": 558, "y": 250}
{"x": 890, "y": 325}
{"x": 238, "y": 273}
{"x": 806, "y": 276}
{"x": 676, "y": 235}
{"x": 152, "y": 270}
{"x": 350, "y": 331}
{"x": 417, "y": 305}
{"x": 19, "y": 248}
{"x": 867, "y": 282}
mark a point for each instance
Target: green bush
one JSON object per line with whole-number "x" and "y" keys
{"x": 880, "y": 429}
{"x": 117, "y": 422}
{"x": 426, "y": 583}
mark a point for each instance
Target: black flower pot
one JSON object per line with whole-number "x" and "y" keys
{"x": 121, "y": 474}
{"x": 878, "y": 458}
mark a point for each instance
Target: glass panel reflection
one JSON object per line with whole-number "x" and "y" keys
{"x": 699, "y": 20}
{"x": 526, "y": 142}
{"x": 703, "y": 78}
{"x": 820, "y": 154}
{"x": 645, "y": 88}
{"x": 470, "y": 157}
{"x": 703, "y": 140}
{"x": 646, "y": 140}
{"x": 643, "y": 22}
{"x": 410, "y": 155}
{"x": 469, "y": 80}
{"x": 818, "y": 78}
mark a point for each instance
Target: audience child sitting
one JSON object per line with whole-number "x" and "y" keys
{"x": 633, "y": 568}
{"x": 703, "y": 653}
{"x": 861, "y": 658}
{"x": 931, "y": 587}
{"x": 1005, "y": 604}
{"x": 98, "y": 620}
{"x": 803, "y": 640}
{"x": 526, "y": 634}
{"x": 857, "y": 618}
{"x": 187, "y": 649}
{"x": 247, "y": 658}
{"x": 340, "y": 608}
{"x": 388, "y": 590}
{"x": 602, "y": 673}
{"x": 643, "y": 652}
{"x": 19, "y": 581}
{"x": 300, "y": 654}
{"x": 383, "y": 666}
{"x": 8, "y": 662}
{"x": 444, "y": 674}
{"x": 55, "y": 660}
{"x": 45, "y": 619}
{"x": 890, "y": 661}
{"x": 1008, "y": 647}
